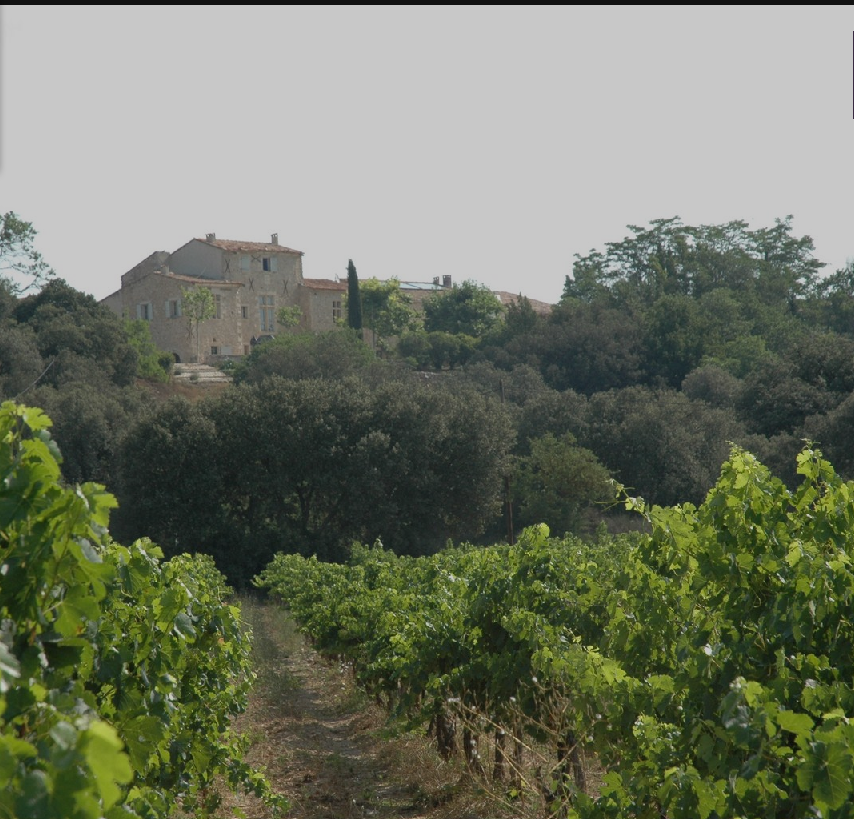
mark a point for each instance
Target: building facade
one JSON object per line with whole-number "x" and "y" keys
{"x": 250, "y": 283}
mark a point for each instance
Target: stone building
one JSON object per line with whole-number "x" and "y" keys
{"x": 250, "y": 282}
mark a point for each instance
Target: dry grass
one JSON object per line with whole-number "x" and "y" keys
{"x": 192, "y": 392}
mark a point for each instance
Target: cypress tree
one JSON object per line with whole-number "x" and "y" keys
{"x": 354, "y": 300}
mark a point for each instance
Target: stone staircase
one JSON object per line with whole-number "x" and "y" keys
{"x": 199, "y": 375}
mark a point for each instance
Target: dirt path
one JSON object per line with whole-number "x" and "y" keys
{"x": 322, "y": 742}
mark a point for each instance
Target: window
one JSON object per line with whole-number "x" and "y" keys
{"x": 267, "y": 313}
{"x": 270, "y": 264}
{"x": 214, "y": 350}
{"x": 244, "y": 312}
{"x": 245, "y": 263}
{"x": 144, "y": 311}
{"x": 173, "y": 308}
{"x": 336, "y": 310}
{"x": 218, "y": 300}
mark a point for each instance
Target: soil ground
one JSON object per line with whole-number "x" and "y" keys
{"x": 328, "y": 749}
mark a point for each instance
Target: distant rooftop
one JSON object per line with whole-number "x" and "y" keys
{"x": 216, "y": 283}
{"x": 420, "y": 286}
{"x": 325, "y": 284}
{"x": 540, "y": 307}
{"x": 235, "y": 246}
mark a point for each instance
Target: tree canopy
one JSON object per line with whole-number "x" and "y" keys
{"x": 671, "y": 258}
{"x": 386, "y": 309}
{"x": 310, "y": 466}
{"x": 354, "y": 299}
{"x": 21, "y": 265}
{"x": 197, "y": 306}
{"x": 557, "y": 481}
{"x": 469, "y": 308}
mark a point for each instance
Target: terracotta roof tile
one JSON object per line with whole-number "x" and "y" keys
{"x": 324, "y": 284}
{"x": 540, "y": 307}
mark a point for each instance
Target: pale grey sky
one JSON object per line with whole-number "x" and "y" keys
{"x": 487, "y": 143}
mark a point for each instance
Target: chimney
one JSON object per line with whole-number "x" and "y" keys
{"x": 446, "y": 281}
{"x": 210, "y": 237}
{"x": 274, "y": 239}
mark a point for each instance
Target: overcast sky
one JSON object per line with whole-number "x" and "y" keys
{"x": 485, "y": 143}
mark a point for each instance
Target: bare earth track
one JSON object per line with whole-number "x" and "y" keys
{"x": 324, "y": 745}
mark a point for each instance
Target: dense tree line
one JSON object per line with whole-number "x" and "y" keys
{"x": 64, "y": 352}
{"x": 665, "y": 348}
{"x": 312, "y": 465}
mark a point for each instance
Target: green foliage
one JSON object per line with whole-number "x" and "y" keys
{"x": 166, "y": 479}
{"x": 825, "y": 360}
{"x": 557, "y": 481}
{"x": 587, "y": 348}
{"x": 673, "y": 340}
{"x": 455, "y": 633}
{"x": 833, "y": 430}
{"x": 708, "y": 663}
{"x": 436, "y": 350}
{"x": 152, "y": 363}
{"x": 758, "y": 639}
{"x": 331, "y": 355}
{"x": 551, "y": 412}
{"x": 21, "y": 265}
{"x": 518, "y": 385}
{"x": 289, "y": 316}
{"x": 712, "y": 384}
{"x": 312, "y": 465}
{"x": 741, "y": 356}
{"x": 118, "y": 673}
{"x": 89, "y": 425}
{"x": 660, "y": 442}
{"x": 354, "y": 299}
{"x": 520, "y": 318}
{"x": 8, "y": 302}
{"x": 386, "y": 309}
{"x": 197, "y": 306}
{"x": 775, "y": 400}
{"x": 833, "y": 300}
{"x": 69, "y": 355}
{"x": 86, "y": 340}
{"x": 669, "y": 258}
{"x": 20, "y": 361}
{"x": 469, "y": 309}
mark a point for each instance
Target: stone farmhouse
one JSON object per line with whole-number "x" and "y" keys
{"x": 250, "y": 282}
